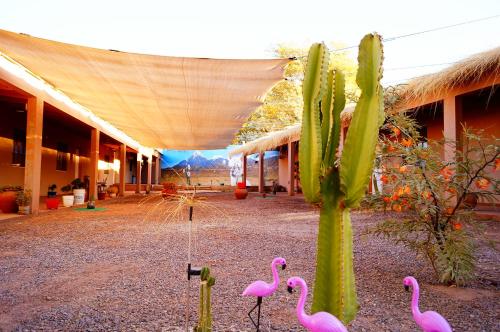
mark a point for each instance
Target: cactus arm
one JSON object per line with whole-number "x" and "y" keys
{"x": 210, "y": 283}
{"x": 205, "y": 318}
{"x": 326, "y": 113}
{"x": 337, "y": 107}
{"x": 310, "y": 148}
{"x": 356, "y": 164}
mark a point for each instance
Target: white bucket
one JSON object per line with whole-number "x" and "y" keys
{"x": 68, "y": 200}
{"x": 79, "y": 196}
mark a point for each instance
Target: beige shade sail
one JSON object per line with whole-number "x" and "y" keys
{"x": 160, "y": 101}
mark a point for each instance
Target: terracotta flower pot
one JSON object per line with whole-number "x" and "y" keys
{"x": 8, "y": 202}
{"x": 101, "y": 196}
{"x": 240, "y": 193}
{"x": 52, "y": 203}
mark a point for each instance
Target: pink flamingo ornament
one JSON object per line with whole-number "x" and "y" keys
{"x": 262, "y": 289}
{"x": 320, "y": 321}
{"x": 429, "y": 321}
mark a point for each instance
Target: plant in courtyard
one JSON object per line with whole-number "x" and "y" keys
{"x": 435, "y": 196}
{"x": 23, "y": 197}
{"x": 338, "y": 185}
{"x": 205, "y": 319}
{"x": 51, "y": 192}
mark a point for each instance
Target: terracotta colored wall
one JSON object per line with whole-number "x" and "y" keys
{"x": 480, "y": 116}
{"x": 53, "y": 133}
{"x": 9, "y": 121}
{"x": 77, "y": 139}
{"x": 9, "y": 175}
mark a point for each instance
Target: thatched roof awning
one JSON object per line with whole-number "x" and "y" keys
{"x": 159, "y": 101}
{"x": 480, "y": 67}
{"x": 275, "y": 139}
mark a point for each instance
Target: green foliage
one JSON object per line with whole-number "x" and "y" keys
{"x": 356, "y": 164}
{"x": 321, "y": 175}
{"x": 456, "y": 259}
{"x": 283, "y": 104}
{"x": 310, "y": 151}
{"x": 433, "y": 195}
{"x": 67, "y": 188}
{"x": 205, "y": 319}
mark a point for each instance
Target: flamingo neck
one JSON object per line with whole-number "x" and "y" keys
{"x": 276, "y": 277}
{"x": 414, "y": 300}
{"x": 301, "y": 314}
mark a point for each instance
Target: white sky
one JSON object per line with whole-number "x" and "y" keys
{"x": 250, "y": 29}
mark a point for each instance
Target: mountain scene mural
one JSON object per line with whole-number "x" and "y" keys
{"x": 214, "y": 167}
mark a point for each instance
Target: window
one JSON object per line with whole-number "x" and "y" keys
{"x": 19, "y": 148}
{"x": 62, "y": 157}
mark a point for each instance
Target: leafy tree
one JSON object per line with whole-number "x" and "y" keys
{"x": 283, "y": 104}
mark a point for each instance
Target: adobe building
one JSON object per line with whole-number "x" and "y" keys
{"x": 70, "y": 111}
{"x": 466, "y": 93}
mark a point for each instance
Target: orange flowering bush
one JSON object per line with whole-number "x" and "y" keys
{"x": 434, "y": 197}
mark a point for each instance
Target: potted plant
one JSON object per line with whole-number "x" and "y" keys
{"x": 52, "y": 201}
{"x": 52, "y": 192}
{"x": 8, "y": 198}
{"x": 241, "y": 191}
{"x": 78, "y": 187}
{"x": 169, "y": 189}
{"x": 68, "y": 198}
{"x": 113, "y": 191}
{"x": 91, "y": 203}
{"x": 23, "y": 200}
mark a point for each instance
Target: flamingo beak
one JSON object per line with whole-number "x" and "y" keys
{"x": 407, "y": 288}
{"x": 283, "y": 266}
{"x": 290, "y": 289}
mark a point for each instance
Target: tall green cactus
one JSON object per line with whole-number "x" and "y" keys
{"x": 338, "y": 187}
{"x": 205, "y": 319}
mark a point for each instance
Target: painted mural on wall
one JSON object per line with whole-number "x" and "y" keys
{"x": 214, "y": 167}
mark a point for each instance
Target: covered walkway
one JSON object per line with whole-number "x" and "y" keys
{"x": 69, "y": 111}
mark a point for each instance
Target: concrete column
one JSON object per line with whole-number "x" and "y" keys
{"x": 33, "y": 161}
{"x": 138, "y": 173}
{"x": 76, "y": 158}
{"x": 94, "y": 160}
{"x": 291, "y": 168}
{"x": 452, "y": 129}
{"x": 123, "y": 165}
{"x": 149, "y": 171}
{"x": 261, "y": 172}
{"x": 158, "y": 170}
{"x": 244, "y": 166}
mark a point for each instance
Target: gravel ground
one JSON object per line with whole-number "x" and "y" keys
{"x": 123, "y": 269}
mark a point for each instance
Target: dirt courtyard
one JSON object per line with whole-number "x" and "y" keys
{"x": 124, "y": 269}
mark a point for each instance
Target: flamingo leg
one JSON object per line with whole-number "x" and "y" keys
{"x": 259, "y": 302}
